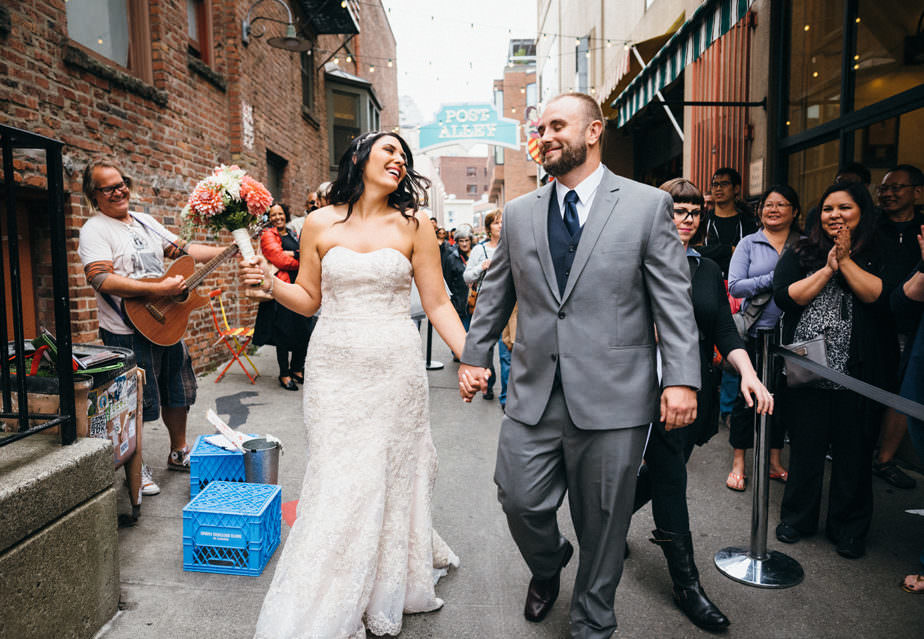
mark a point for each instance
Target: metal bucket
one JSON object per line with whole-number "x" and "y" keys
{"x": 261, "y": 461}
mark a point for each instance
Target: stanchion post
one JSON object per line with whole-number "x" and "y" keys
{"x": 756, "y": 566}
{"x": 761, "y": 506}
{"x": 432, "y": 364}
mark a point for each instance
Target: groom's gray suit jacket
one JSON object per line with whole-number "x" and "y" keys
{"x": 629, "y": 275}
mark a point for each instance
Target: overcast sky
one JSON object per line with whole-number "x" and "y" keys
{"x": 452, "y": 51}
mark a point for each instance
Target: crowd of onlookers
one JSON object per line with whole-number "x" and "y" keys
{"x": 840, "y": 279}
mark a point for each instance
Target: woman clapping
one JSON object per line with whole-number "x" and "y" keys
{"x": 830, "y": 286}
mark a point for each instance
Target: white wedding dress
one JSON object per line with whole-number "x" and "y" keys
{"x": 362, "y": 551}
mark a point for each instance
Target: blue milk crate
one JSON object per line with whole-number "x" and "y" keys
{"x": 213, "y": 463}
{"x": 232, "y": 528}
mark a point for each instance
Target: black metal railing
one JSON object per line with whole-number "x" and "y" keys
{"x": 30, "y": 423}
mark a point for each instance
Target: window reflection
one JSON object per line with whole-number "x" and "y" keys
{"x": 816, "y": 37}
{"x": 887, "y": 49}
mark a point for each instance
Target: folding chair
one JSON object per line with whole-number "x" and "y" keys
{"x": 236, "y": 339}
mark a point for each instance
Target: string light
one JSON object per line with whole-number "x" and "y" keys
{"x": 371, "y": 68}
{"x": 390, "y": 63}
{"x": 349, "y": 59}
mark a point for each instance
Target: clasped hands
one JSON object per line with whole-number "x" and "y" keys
{"x": 471, "y": 380}
{"x": 841, "y": 249}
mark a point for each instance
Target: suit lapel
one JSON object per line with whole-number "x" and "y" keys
{"x": 604, "y": 203}
{"x": 540, "y": 217}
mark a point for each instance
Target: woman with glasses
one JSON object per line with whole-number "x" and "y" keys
{"x": 831, "y": 286}
{"x": 663, "y": 478}
{"x": 750, "y": 276}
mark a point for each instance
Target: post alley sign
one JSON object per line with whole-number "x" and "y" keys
{"x": 469, "y": 124}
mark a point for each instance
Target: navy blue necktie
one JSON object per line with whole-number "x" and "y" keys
{"x": 572, "y": 222}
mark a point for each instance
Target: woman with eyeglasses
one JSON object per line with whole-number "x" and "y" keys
{"x": 750, "y": 276}
{"x": 831, "y": 285}
{"x": 663, "y": 478}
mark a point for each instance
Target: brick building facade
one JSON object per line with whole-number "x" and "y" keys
{"x": 465, "y": 177}
{"x": 181, "y": 104}
{"x": 512, "y": 172}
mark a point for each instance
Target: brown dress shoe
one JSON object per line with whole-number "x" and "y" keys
{"x": 542, "y": 593}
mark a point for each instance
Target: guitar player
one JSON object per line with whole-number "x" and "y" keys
{"x": 118, "y": 248}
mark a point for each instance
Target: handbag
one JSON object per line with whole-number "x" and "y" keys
{"x": 746, "y": 317}
{"x": 476, "y": 286}
{"x": 813, "y": 349}
{"x": 473, "y": 293}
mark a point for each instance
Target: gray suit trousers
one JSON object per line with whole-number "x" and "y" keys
{"x": 536, "y": 465}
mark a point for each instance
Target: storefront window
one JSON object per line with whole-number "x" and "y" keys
{"x": 812, "y": 170}
{"x": 882, "y": 145}
{"x": 816, "y": 36}
{"x": 346, "y": 123}
{"x": 889, "y": 56}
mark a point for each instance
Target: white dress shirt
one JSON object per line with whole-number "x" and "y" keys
{"x": 586, "y": 191}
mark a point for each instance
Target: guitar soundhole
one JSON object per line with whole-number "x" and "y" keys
{"x": 182, "y": 297}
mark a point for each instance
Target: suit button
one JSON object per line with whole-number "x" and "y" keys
{"x": 562, "y": 315}
{"x": 568, "y": 272}
{"x": 554, "y": 357}
{"x": 571, "y": 248}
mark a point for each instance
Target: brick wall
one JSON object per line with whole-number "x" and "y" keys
{"x": 454, "y": 174}
{"x": 519, "y": 171}
{"x": 375, "y": 47}
{"x": 168, "y": 134}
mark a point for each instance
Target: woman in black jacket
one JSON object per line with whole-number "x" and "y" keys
{"x": 663, "y": 479}
{"x": 831, "y": 285}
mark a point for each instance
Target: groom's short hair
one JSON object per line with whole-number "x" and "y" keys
{"x": 592, "y": 110}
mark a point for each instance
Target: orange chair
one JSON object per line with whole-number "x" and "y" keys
{"x": 236, "y": 339}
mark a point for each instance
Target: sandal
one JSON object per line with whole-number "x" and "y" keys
{"x": 914, "y": 584}
{"x": 781, "y": 476}
{"x": 298, "y": 377}
{"x": 736, "y": 482}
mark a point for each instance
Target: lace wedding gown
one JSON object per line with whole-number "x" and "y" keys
{"x": 362, "y": 551}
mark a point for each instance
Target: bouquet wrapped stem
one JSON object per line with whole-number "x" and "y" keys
{"x": 228, "y": 199}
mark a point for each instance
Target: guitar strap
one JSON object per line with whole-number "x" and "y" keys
{"x": 159, "y": 234}
{"x": 119, "y": 308}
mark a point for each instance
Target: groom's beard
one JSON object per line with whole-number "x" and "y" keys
{"x": 570, "y": 158}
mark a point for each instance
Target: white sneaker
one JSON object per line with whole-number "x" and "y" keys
{"x": 148, "y": 487}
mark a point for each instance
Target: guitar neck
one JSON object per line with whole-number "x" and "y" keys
{"x": 203, "y": 271}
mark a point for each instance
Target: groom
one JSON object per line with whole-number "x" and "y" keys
{"x": 596, "y": 265}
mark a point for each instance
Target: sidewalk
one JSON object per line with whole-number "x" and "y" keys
{"x": 484, "y": 597}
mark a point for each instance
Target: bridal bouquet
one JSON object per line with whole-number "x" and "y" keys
{"x": 228, "y": 199}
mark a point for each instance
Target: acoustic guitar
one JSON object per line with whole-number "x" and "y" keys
{"x": 163, "y": 320}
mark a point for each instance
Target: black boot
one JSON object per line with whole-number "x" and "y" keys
{"x": 688, "y": 593}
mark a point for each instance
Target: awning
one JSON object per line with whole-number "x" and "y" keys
{"x": 708, "y": 23}
{"x": 627, "y": 67}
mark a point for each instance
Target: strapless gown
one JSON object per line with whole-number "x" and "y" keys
{"x": 362, "y": 551}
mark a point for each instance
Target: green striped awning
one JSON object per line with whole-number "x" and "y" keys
{"x": 708, "y": 23}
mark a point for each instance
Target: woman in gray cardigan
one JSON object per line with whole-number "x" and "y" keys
{"x": 750, "y": 274}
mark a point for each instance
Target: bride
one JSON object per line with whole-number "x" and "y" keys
{"x": 362, "y": 551}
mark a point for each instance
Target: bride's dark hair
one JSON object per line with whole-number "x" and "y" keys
{"x": 348, "y": 187}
